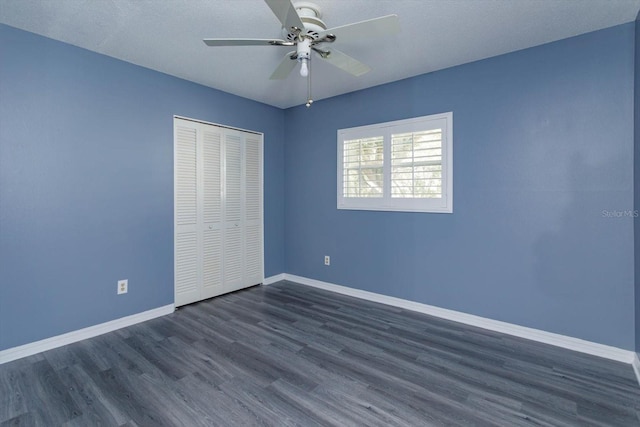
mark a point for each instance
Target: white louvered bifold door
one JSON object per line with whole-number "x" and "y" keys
{"x": 253, "y": 210}
{"x": 233, "y": 259}
{"x": 186, "y": 253}
{"x": 212, "y": 283}
{"x": 218, "y": 210}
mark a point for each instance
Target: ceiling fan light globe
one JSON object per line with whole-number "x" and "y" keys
{"x": 304, "y": 69}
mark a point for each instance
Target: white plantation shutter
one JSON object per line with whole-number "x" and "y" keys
{"x": 363, "y": 167}
{"x": 218, "y": 210}
{"x": 406, "y": 165}
{"x": 416, "y": 164}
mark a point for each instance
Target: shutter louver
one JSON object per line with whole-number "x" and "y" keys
{"x": 363, "y": 167}
{"x": 416, "y": 164}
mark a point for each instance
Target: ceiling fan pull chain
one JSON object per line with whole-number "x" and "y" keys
{"x": 309, "y": 99}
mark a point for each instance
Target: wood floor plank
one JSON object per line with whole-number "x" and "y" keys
{"x": 13, "y": 402}
{"x": 289, "y": 355}
{"x": 25, "y": 419}
{"x": 96, "y": 409}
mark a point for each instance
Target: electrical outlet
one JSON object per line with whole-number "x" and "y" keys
{"x": 327, "y": 260}
{"x": 123, "y": 286}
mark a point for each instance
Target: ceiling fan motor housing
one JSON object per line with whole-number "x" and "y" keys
{"x": 303, "y": 49}
{"x": 310, "y": 15}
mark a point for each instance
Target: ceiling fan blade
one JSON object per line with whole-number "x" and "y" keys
{"x": 344, "y": 62}
{"x": 286, "y": 13}
{"x": 285, "y": 67}
{"x": 246, "y": 42}
{"x": 376, "y": 27}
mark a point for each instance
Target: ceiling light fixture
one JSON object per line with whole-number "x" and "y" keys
{"x": 304, "y": 52}
{"x": 303, "y": 28}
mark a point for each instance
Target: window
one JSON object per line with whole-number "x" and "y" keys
{"x": 406, "y": 165}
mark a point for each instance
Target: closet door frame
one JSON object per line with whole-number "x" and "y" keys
{"x": 224, "y": 130}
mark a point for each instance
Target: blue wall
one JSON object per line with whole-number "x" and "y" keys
{"x": 543, "y": 145}
{"x": 86, "y": 183}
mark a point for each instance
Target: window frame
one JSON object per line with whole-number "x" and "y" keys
{"x": 444, "y": 204}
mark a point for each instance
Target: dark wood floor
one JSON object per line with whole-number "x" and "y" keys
{"x": 293, "y": 355}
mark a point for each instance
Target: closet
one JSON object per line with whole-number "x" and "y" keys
{"x": 218, "y": 226}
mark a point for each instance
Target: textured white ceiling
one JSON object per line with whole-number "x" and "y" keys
{"x": 166, "y": 35}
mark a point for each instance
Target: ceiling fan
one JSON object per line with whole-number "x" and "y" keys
{"x": 303, "y": 29}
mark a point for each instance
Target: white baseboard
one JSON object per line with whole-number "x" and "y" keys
{"x": 273, "y": 279}
{"x": 82, "y": 334}
{"x": 636, "y": 366}
{"x": 558, "y": 340}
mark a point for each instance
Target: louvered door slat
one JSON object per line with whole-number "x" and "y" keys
{"x": 186, "y": 176}
{"x": 253, "y": 266}
{"x": 233, "y": 194}
{"x": 253, "y": 174}
{"x": 233, "y": 258}
{"x": 212, "y": 204}
{"x": 186, "y": 262}
{"x": 212, "y": 283}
